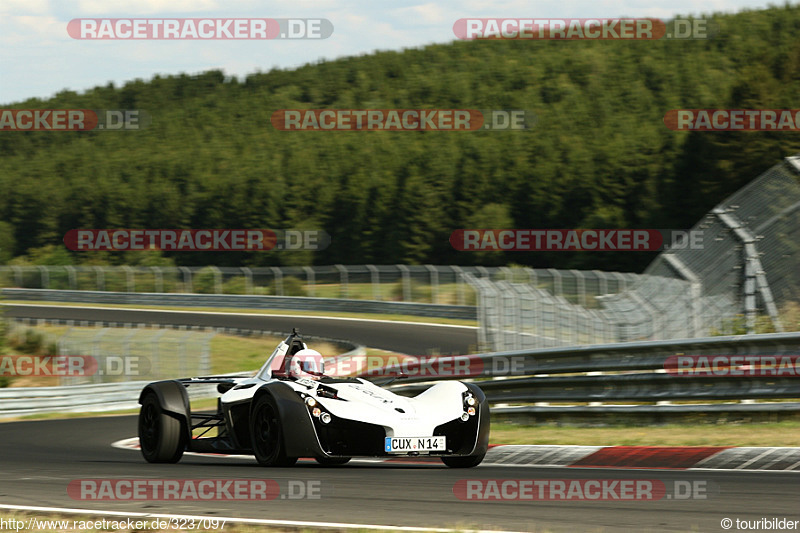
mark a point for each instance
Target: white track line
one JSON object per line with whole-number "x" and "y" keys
{"x": 220, "y": 313}
{"x": 258, "y": 521}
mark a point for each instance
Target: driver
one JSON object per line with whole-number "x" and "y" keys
{"x": 306, "y": 363}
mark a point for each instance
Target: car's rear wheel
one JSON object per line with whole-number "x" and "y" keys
{"x": 463, "y": 461}
{"x": 332, "y": 461}
{"x": 161, "y": 437}
{"x": 266, "y": 433}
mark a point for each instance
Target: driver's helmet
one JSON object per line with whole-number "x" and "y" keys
{"x": 306, "y": 363}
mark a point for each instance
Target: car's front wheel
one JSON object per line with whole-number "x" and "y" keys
{"x": 161, "y": 437}
{"x": 266, "y": 433}
{"x": 463, "y": 461}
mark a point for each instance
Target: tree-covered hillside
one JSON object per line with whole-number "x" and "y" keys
{"x": 599, "y": 156}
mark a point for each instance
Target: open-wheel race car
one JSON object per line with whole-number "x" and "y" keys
{"x": 291, "y": 409}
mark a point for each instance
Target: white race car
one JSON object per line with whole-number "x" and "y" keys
{"x": 290, "y": 409}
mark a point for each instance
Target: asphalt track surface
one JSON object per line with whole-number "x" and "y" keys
{"x": 40, "y": 458}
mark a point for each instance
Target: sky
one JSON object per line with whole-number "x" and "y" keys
{"x": 40, "y": 58}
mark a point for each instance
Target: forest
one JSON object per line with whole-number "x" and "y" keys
{"x": 599, "y": 155}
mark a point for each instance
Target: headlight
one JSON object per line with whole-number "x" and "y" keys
{"x": 471, "y": 411}
{"x": 471, "y": 400}
{"x": 464, "y": 417}
{"x": 311, "y": 402}
{"x": 325, "y": 418}
{"x": 316, "y": 411}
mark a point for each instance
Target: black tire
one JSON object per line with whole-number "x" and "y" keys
{"x": 332, "y": 461}
{"x": 463, "y": 461}
{"x": 161, "y": 437}
{"x": 266, "y": 432}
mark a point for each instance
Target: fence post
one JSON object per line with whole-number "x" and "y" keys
{"x": 532, "y": 277}
{"x": 73, "y": 283}
{"x": 44, "y": 281}
{"x": 278, "y": 274}
{"x": 375, "y": 281}
{"x": 557, "y": 291}
{"x": 581, "y": 286}
{"x": 459, "y": 272}
{"x": 248, "y": 280}
{"x": 158, "y": 278}
{"x": 187, "y": 279}
{"x": 205, "y": 356}
{"x": 131, "y": 282}
{"x": 17, "y": 275}
{"x": 434, "y": 280}
{"x": 343, "y": 289}
{"x": 310, "y": 280}
{"x": 101, "y": 360}
{"x": 406, "y": 281}
{"x": 217, "y": 279}
{"x": 156, "y": 363}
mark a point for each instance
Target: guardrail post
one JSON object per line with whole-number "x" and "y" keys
{"x": 343, "y": 288}
{"x": 406, "y": 281}
{"x": 375, "y": 281}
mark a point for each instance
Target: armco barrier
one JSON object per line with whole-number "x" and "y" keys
{"x": 632, "y": 372}
{"x": 287, "y": 303}
{"x": 22, "y": 401}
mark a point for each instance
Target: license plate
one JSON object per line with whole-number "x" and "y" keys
{"x": 415, "y": 444}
